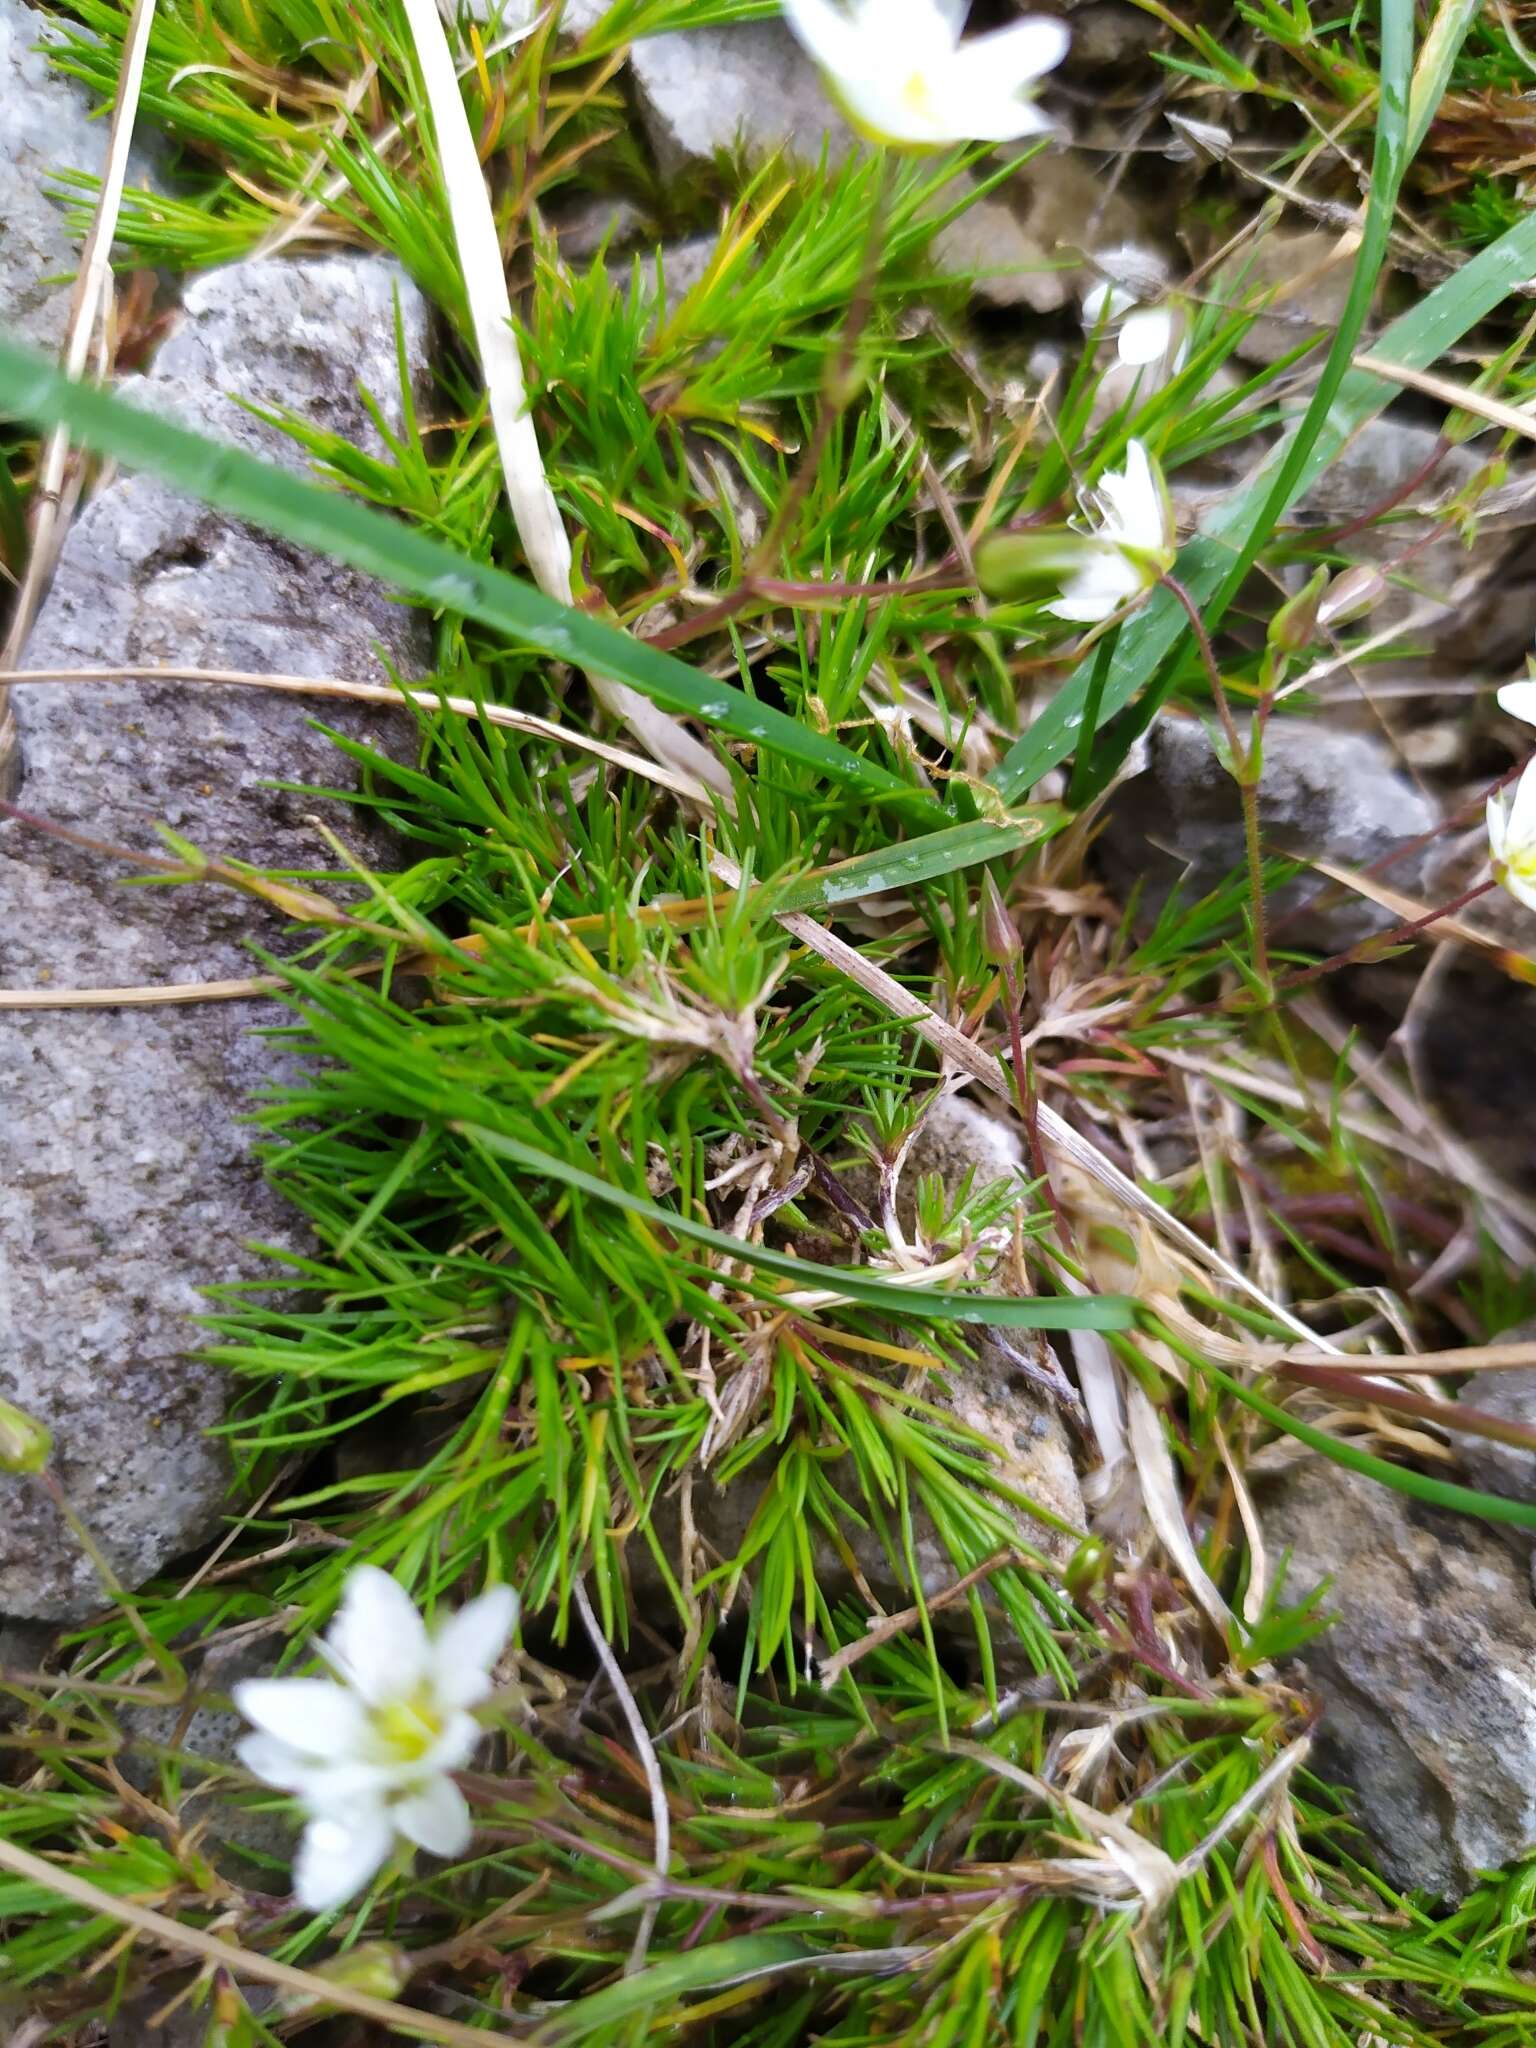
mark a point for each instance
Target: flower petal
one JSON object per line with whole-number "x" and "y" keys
{"x": 435, "y": 1816}
{"x": 1105, "y": 303}
{"x": 1010, "y": 59}
{"x": 1519, "y": 700}
{"x": 923, "y": 33}
{"x": 1498, "y": 825}
{"x": 953, "y": 13}
{"x": 314, "y": 1716}
{"x": 378, "y": 1641}
{"x": 456, "y": 1745}
{"x": 320, "y": 1783}
{"x": 340, "y": 1851}
{"x": 827, "y": 34}
{"x": 1098, "y": 589}
{"x": 466, "y": 1646}
{"x": 958, "y": 114}
{"x": 274, "y": 1762}
{"x": 1134, "y": 505}
{"x": 1147, "y": 335}
{"x": 1521, "y": 816}
{"x": 1082, "y": 610}
{"x": 1136, "y": 493}
{"x": 347, "y": 1783}
{"x": 1521, "y": 887}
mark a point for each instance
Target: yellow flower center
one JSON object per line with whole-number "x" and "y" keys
{"x": 915, "y": 96}
{"x": 408, "y": 1729}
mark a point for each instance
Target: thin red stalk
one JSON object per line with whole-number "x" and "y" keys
{"x": 1451, "y": 1415}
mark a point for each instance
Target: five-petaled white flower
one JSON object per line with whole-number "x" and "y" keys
{"x": 903, "y": 75}
{"x": 1512, "y": 812}
{"x": 368, "y": 1753}
{"x": 1132, "y": 542}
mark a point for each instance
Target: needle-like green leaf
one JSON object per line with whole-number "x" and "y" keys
{"x": 343, "y": 527}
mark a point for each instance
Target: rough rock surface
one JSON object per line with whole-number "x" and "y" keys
{"x": 750, "y": 86}
{"x": 1506, "y": 1469}
{"x": 1107, "y": 33}
{"x": 126, "y": 1181}
{"x": 1309, "y": 281}
{"x": 1473, "y": 1024}
{"x": 576, "y": 16}
{"x": 1330, "y": 795}
{"x": 1495, "y": 615}
{"x": 143, "y": 2022}
{"x": 1428, "y": 1676}
{"x": 705, "y": 90}
{"x": 45, "y": 128}
{"x": 676, "y": 267}
{"x": 1475, "y": 1034}
{"x": 205, "y": 1726}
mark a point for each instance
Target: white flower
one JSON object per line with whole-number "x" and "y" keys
{"x": 1143, "y": 334}
{"x": 368, "y": 1753}
{"x": 1512, "y": 812}
{"x": 1126, "y": 299}
{"x": 1512, "y": 837}
{"x": 903, "y": 75}
{"x": 1132, "y": 543}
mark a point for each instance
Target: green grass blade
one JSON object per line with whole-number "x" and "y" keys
{"x": 712, "y": 1965}
{"x": 1388, "y": 166}
{"x": 350, "y": 531}
{"x": 912, "y": 1304}
{"x": 924, "y": 859}
{"x": 1440, "y": 1493}
{"x": 1432, "y": 73}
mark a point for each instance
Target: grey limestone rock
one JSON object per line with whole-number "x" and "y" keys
{"x": 127, "y": 1180}
{"x": 1328, "y": 794}
{"x": 703, "y": 90}
{"x": 1491, "y": 573}
{"x": 45, "y": 128}
{"x": 577, "y": 16}
{"x": 1427, "y": 1677}
{"x": 1109, "y": 33}
{"x": 165, "y": 2016}
{"x": 1507, "y": 1469}
{"x": 203, "y": 1734}
{"x": 668, "y": 274}
{"x": 1301, "y": 280}
{"x": 749, "y": 85}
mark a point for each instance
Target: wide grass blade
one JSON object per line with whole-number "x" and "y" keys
{"x": 924, "y": 859}
{"x": 913, "y": 1304}
{"x": 706, "y": 1968}
{"x": 350, "y": 531}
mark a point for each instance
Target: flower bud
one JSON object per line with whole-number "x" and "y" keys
{"x": 1350, "y": 596}
{"x": 1294, "y": 627}
{"x": 380, "y": 1968}
{"x": 24, "y": 1444}
{"x": 230, "y": 2024}
{"x": 1024, "y": 565}
{"x": 1088, "y": 1567}
{"x": 999, "y": 935}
